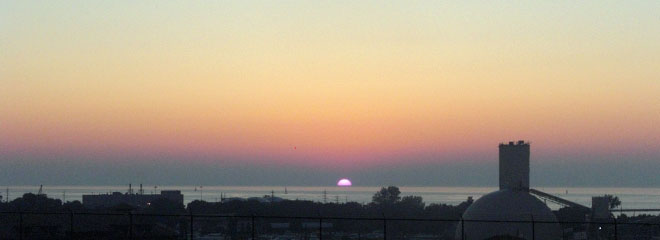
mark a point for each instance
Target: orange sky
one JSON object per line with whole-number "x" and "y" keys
{"x": 339, "y": 81}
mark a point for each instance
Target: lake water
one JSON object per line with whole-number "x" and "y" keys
{"x": 630, "y": 197}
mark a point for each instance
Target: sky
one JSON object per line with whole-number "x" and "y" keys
{"x": 307, "y": 92}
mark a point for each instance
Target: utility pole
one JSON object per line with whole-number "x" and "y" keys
{"x": 325, "y": 196}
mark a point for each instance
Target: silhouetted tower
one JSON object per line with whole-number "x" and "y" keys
{"x": 514, "y": 166}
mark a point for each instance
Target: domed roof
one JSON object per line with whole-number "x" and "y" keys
{"x": 508, "y": 205}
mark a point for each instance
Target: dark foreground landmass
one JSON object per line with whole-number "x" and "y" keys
{"x": 35, "y": 216}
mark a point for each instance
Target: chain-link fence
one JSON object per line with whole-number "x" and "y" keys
{"x": 129, "y": 225}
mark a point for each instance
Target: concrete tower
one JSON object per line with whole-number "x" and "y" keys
{"x": 514, "y": 166}
{"x": 512, "y": 203}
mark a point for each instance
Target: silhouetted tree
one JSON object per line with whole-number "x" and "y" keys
{"x": 614, "y": 201}
{"x": 412, "y": 202}
{"x": 75, "y": 206}
{"x": 35, "y": 203}
{"x": 387, "y": 196}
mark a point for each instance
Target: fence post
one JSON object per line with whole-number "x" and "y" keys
{"x": 253, "y": 227}
{"x": 533, "y": 228}
{"x": 384, "y": 227}
{"x": 616, "y": 234}
{"x": 20, "y": 225}
{"x": 462, "y": 229}
{"x": 320, "y": 227}
{"x": 130, "y": 225}
{"x": 71, "y": 225}
{"x": 191, "y": 226}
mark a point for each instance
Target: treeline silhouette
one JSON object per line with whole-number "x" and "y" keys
{"x": 386, "y": 203}
{"x": 35, "y": 216}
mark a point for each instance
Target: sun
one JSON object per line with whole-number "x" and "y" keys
{"x": 344, "y": 182}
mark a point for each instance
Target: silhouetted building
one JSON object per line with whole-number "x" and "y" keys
{"x": 131, "y": 199}
{"x": 600, "y": 207}
{"x": 514, "y": 166}
{"x": 512, "y": 203}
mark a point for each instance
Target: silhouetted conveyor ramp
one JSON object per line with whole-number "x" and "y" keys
{"x": 557, "y": 200}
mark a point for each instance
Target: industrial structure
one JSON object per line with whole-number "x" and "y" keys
{"x": 137, "y": 200}
{"x": 514, "y": 166}
{"x": 600, "y": 206}
{"x": 511, "y": 211}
